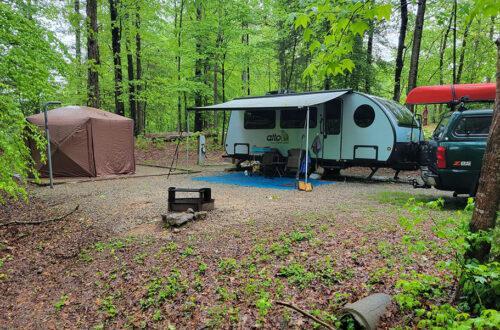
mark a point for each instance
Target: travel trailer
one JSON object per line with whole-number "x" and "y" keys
{"x": 345, "y": 128}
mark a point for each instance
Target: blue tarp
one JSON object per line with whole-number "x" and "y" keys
{"x": 256, "y": 181}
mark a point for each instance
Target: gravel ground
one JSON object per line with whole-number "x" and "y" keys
{"x": 121, "y": 205}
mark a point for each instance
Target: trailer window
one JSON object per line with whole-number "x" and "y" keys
{"x": 333, "y": 114}
{"x": 260, "y": 119}
{"x": 297, "y": 118}
{"x": 478, "y": 126}
{"x": 364, "y": 115}
{"x": 403, "y": 116}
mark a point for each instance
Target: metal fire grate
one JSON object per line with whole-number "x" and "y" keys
{"x": 203, "y": 202}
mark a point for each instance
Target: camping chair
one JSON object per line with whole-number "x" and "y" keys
{"x": 272, "y": 164}
{"x": 293, "y": 160}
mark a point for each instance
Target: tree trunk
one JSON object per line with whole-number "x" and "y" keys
{"x": 131, "y": 83}
{"x": 78, "y": 33}
{"x": 369, "y": 54}
{"x": 488, "y": 192}
{"x": 462, "y": 52}
{"x": 223, "y": 81}
{"x": 116, "y": 48}
{"x": 292, "y": 62}
{"x": 417, "y": 39}
{"x": 401, "y": 47}
{"x": 178, "y": 58}
{"x": 245, "y": 74}
{"x": 455, "y": 5}
{"x": 141, "y": 116}
{"x": 442, "y": 50}
{"x": 198, "y": 67}
{"x": 93, "y": 97}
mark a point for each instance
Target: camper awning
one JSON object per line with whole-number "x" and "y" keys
{"x": 270, "y": 102}
{"x": 451, "y": 93}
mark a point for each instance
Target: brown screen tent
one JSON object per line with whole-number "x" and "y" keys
{"x": 87, "y": 142}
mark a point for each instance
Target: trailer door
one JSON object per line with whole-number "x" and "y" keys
{"x": 331, "y": 129}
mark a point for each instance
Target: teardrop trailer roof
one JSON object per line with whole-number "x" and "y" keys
{"x": 453, "y": 94}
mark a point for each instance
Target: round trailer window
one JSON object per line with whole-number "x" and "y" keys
{"x": 364, "y": 115}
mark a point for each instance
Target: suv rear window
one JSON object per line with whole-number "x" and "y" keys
{"x": 260, "y": 119}
{"x": 477, "y": 126}
{"x": 441, "y": 127}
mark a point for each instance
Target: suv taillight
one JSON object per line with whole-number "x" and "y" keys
{"x": 441, "y": 157}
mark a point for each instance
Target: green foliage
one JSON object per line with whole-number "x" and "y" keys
{"x": 297, "y": 274}
{"x": 161, "y": 289}
{"x": 58, "y": 305}
{"x": 108, "y": 307}
{"x": 30, "y": 58}
{"x": 263, "y": 304}
{"x": 228, "y": 266}
{"x": 479, "y": 283}
{"x": 344, "y": 21}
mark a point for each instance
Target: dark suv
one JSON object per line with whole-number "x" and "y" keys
{"x": 452, "y": 159}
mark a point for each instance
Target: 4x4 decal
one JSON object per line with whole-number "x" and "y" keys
{"x": 462, "y": 163}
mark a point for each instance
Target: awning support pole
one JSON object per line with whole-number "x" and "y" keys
{"x": 307, "y": 142}
{"x": 47, "y": 136}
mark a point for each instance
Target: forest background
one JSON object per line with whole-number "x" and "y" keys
{"x": 151, "y": 60}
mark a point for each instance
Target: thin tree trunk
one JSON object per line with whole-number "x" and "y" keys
{"x": 178, "y": 59}
{"x": 93, "y": 96}
{"x": 245, "y": 74}
{"x": 401, "y": 48}
{"x": 417, "y": 39}
{"x": 488, "y": 192}
{"x": 292, "y": 62}
{"x": 442, "y": 50}
{"x": 141, "y": 117}
{"x": 198, "y": 101}
{"x": 131, "y": 82}
{"x": 116, "y": 48}
{"x": 78, "y": 33}
{"x": 369, "y": 53}
{"x": 455, "y": 5}
{"x": 223, "y": 81}
{"x": 462, "y": 52}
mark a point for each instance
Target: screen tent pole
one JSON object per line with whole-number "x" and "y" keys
{"x": 307, "y": 142}
{"x": 47, "y": 136}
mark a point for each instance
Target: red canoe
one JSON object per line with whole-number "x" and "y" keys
{"x": 451, "y": 93}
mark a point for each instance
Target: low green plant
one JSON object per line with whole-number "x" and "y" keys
{"x": 187, "y": 252}
{"x": 263, "y": 304}
{"x": 296, "y": 274}
{"x": 228, "y": 266}
{"x": 140, "y": 257}
{"x": 298, "y": 236}
{"x": 157, "y": 315}
{"x": 108, "y": 307}
{"x": 161, "y": 289}
{"x": 59, "y": 304}
{"x": 281, "y": 249}
{"x": 326, "y": 272}
{"x": 202, "y": 268}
